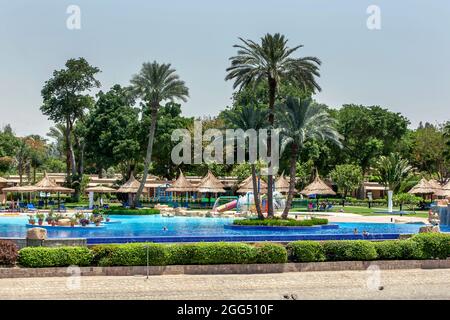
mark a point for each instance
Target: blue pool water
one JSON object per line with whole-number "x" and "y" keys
{"x": 185, "y": 229}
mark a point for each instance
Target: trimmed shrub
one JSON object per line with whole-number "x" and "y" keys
{"x": 39, "y": 257}
{"x": 398, "y": 250}
{"x": 131, "y": 212}
{"x": 349, "y": 250}
{"x": 130, "y": 254}
{"x": 280, "y": 222}
{"x": 8, "y": 253}
{"x": 212, "y": 253}
{"x": 270, "y": 253}
{"x": 306, "y": 251}
{"x": 433, "y": 245}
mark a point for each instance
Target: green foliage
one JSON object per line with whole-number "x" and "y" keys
{"x": 348, "y": 177}
{"x": 407, "y": 199}
{"x": 347, "y": 250}
{"x": 281, "y": 222}
{"x": 8, "y": 253}
{"x": 270, "y": 253}
{"x": 433, "y": 245}
{"x": 131, "y": 254}
{"x": 392, "y": 170}
{"x": 40, "y": 257}
{"x": 212, "y": 253}
{"x": 398, "y": 250}
{"x": 306, "y": 251}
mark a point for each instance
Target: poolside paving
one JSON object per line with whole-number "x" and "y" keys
{"x": 369, "y": 284}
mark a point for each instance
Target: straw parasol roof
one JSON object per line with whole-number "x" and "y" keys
{"x": 210, "y": 183}
{"x": 22, "y": 189}
{"x": 282, "y": 184}
{"x": 48, "y": 185}
{"x": 100, "y": 189}
{"x": 181, "y": 185}
{"x": 3, "y": 180}
{"x": 318, "y": 187}
{"x": 131, "y": 186}
{"x": 423, "y": 187}
{"x": 444, "y": 191}
{"x": 247, "y": 186}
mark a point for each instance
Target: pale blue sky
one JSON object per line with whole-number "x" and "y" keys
{"x": 405, "y": 66}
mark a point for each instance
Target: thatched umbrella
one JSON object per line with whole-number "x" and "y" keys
{"x": 131, "y": 187}
{"x": 181, "y": 185}
{"x": 210, "y": 184}
{"x": 247, "y": 186}
{"x": 423, "y": 187}
{"x": 48, "y": 185}
{"x": 19, "y": 189}
{"x": 318, "y": 187}
{"x": 282, "y": 184}
{"x": 98, "y": 189}
{"x": 444, "y": 191}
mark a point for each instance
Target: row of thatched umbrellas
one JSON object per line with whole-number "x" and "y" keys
{"x": 431, "y": 187}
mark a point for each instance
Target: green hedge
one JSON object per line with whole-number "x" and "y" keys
{"x": 433, "y": 245}
{"x": 349, "y": 250}
{"x": 130, "y": 254}
{"x": 280, "y": 222}
{"x": 421, "y": 246}
{"x": 306, "y": 251}
{"x": 39, "y": 257}
{"x": 130, "y": 212}
{"x": 398, "y": 250}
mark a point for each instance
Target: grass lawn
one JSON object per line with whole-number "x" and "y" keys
{"x": 365, "y": 211}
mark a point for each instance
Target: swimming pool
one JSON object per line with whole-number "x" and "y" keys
{"x": 189, "y": 229}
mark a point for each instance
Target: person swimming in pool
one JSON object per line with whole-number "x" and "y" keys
{"x": 355, "y": 231}
{"x": 165, "y": 228}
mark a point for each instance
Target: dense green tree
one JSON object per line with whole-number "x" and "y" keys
{"x": 347, "y": 177}
{"x": 368, "y": 132}
{"x": 428, "y": 152}
{"x": 65, "y": 101}
{"x": 271, "y": 62}
{"x": 299, "y": 120}
{"x": 154, "y": 84}
{"x": 112, "y": 131}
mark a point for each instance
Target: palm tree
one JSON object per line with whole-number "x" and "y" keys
{"x": 300, "y": 120}
{"x": 392, "y": 170}
{"x": 153, "y": 84}
{"x": 271, "y": 62}
{"x": 245, "y": 118}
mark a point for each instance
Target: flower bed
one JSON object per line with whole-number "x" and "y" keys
{"x": 277, "y": 222}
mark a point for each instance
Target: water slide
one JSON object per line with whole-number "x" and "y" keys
{"x": 227, "y": 206}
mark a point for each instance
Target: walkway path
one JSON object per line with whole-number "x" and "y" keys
{"x": 396, "y": 284}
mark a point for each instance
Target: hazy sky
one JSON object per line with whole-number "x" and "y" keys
{"x": 405, "y": 66}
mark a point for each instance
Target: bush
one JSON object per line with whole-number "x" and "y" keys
{"x": 8, "y": 253}
{"x": 349, "y": 250}
{"x": 433, "y": 245}
{"x": 130, "y": 254}
{"x": 270, "y": 253}
{"x": 398, "y": 250}
{"x": 131, "y": 212}
{"x": 39, "y": 257}
{"x": 306, "y": 251}
{"x": 212, "y": 253}
{"x": 281, "y": 222}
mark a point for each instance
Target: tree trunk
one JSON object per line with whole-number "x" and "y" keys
{"x": 148, "y": 157}
{"x": 256, "y": 193}
{"x": 292, "y": 172}
{"x": 272, "y": 92}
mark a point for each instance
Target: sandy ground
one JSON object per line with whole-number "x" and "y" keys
{"x": 386, "y": 284}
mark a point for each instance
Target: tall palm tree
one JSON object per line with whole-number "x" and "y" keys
{"x": 153, "y": 84}
{"x": 300, "y": 120}
{"x": 245, "y": 118}
{"x": 271, "y": 61}
{"x": 392, "y": 170}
